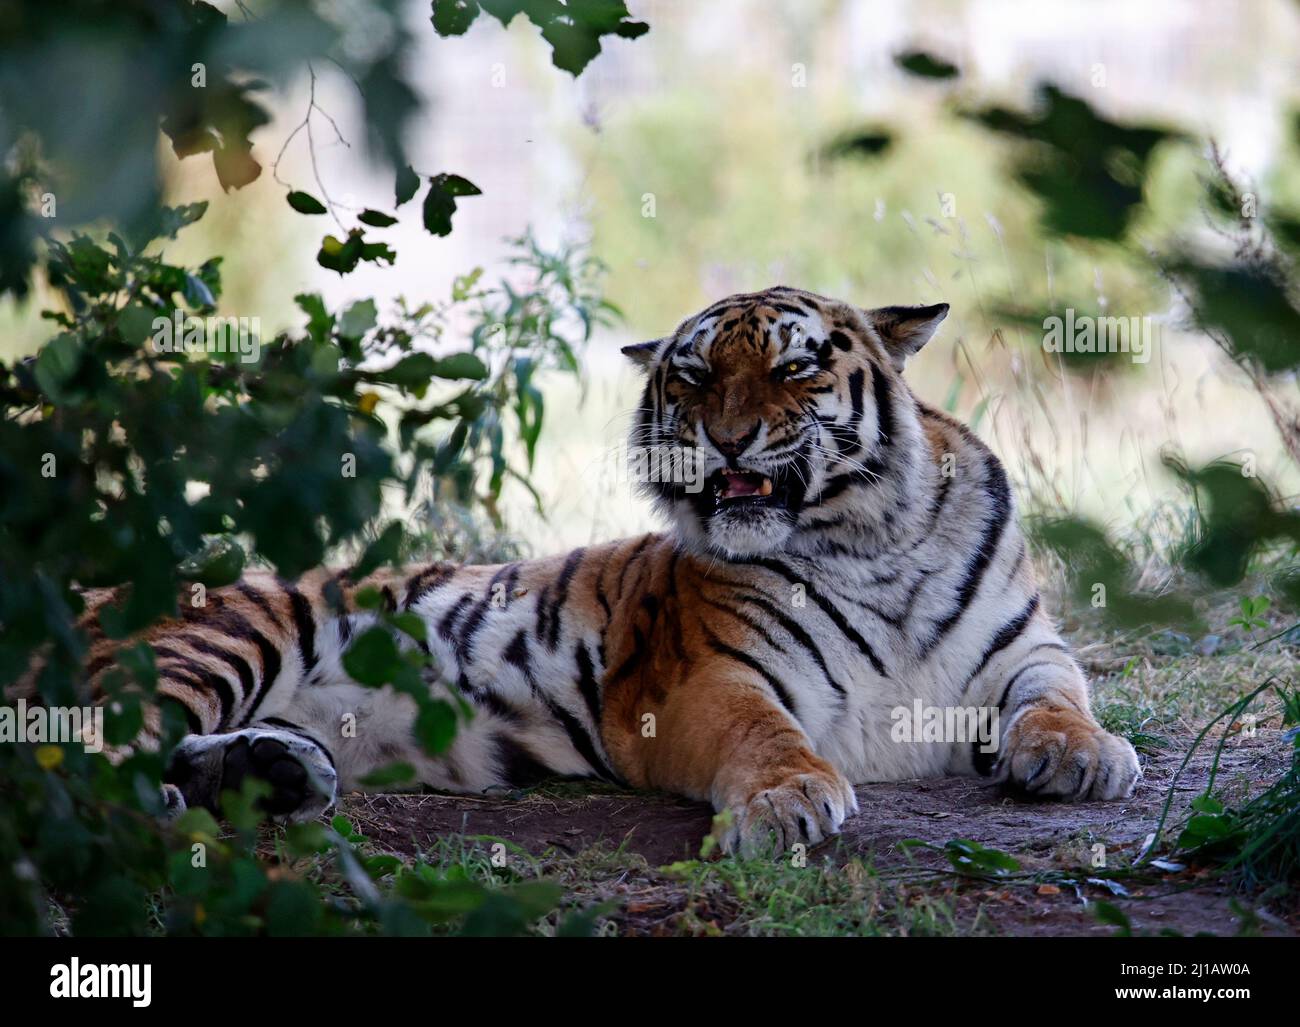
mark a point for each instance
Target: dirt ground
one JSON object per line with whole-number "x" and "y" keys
{"x": 569, "y": 819}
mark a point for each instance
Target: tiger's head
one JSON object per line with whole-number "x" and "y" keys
{"x": 790, "y": 411}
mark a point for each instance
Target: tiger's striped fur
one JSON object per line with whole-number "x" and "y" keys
{"x": 751, "y": 656}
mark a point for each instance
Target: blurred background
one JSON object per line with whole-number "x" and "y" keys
{"x": 741, "y": 144}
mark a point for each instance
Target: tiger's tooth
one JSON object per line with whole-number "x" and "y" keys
{"x": 766, "y": 488}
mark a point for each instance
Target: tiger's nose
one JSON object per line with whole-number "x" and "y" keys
{"x": 732, "y": 444}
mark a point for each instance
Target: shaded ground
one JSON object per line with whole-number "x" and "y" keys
{"x": 564, "y": 823}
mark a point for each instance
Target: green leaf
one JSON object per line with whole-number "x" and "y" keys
{"x": 1251, "y": 307}
{"x": 581, "y": 923}
{"x": 453, "y": 17}
{"x": 1088, "y": 172}
{"x": 342, "y": 825}
{"x": 406, "y": 185}
{"x": 504, "y": 913}
{"x": 376, "y": 218}
{"x": 305, "y": 203}
{"x": 377, "y": 251}
{"x": 197, "y": 294}
{"x": 217, "y": 119}
{"x": 440, "y": 201}
{"x": 307, "y": 839}
{"x": 125, "y": 719}
{"x": 1207, "y": 804}
{"x": 1107, "y": 913}
{"x": 470, "y": 405}
{"x": 505, "y": 10}
{"x": 135, "y": 324}
{"x": 917, "y": 62}
{"x": 572, "y": 46}
{"x": 1204, "y": 829}
{"x": 411, "y": 372}
{"x": 435, "y": 726}
{"x": 197, "y": 820}
{"x": 358, "y": 319}
{"x": 411, "y": 624}
{"x": 464, "y": 365}
{"x": 377, "y": 866}
{"x": 865, "y": 143}
{"x": 392, "y": 774}
{"x": 57, "y": 362}
{"x": 340, "y": 256}
{"x": 574, "y": 29}
{"x": 463, "y": 285}
{"x": 384, "y": 550}
{"x": 368, "y": 598}
{"x": 221, "y": 562}
{"x": 172, "y": 219}
{"x": 969, "y": 857}
{"x": 320, "y": 322}
{"x": 373, "y": 659}
{"x": 450, "y": 448}
{"x": 414, "y": 370}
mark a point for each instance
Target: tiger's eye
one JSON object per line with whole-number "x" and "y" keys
{"x": 791, "y": 367}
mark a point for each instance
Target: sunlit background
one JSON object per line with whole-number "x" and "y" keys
{"x": 698, "y": 161}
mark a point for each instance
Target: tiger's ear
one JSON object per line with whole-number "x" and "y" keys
{"x": 904, "y": 330}
{"x": 642, "y": 353}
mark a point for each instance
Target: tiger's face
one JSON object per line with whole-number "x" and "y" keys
{"x": 767, "y": 397}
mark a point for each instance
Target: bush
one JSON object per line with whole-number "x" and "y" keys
{"x": 156, "y": 448}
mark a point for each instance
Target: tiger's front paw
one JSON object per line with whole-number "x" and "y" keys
{"x": 302, "y": 779}
{"x": 1061, "y": 753}
{"x": 805, "y": 808}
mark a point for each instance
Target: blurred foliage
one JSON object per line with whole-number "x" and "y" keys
{"x": 104, "y": 436}
{"x": 1087, "y": 171}
{"x": 924, "y": 65}
{"x": 152, "y": 444}
{"x": 1247, "y": 304}
{"x": 1255, "y": 312}
{"x": 572, "y": 28}
{"x": 71, "y": 157}
{"x": 1239, "y": 518}
{"x": 75, "y": 156}
{"x": 1239, "y": 527}
{"x": 858, "y": 144}
{"x": 1089, "y": 175}
{"x": 1101, "y": 576}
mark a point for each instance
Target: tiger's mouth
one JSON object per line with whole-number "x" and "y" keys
{"x": 735, "y": 499}
{"x": 744, "y": 512}
{"x": 730, "y": 490}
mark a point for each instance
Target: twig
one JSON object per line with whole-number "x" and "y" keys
{"x": 312, "y": 106}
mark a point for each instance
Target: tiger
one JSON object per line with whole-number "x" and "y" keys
{"x": 846, "y": 551}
